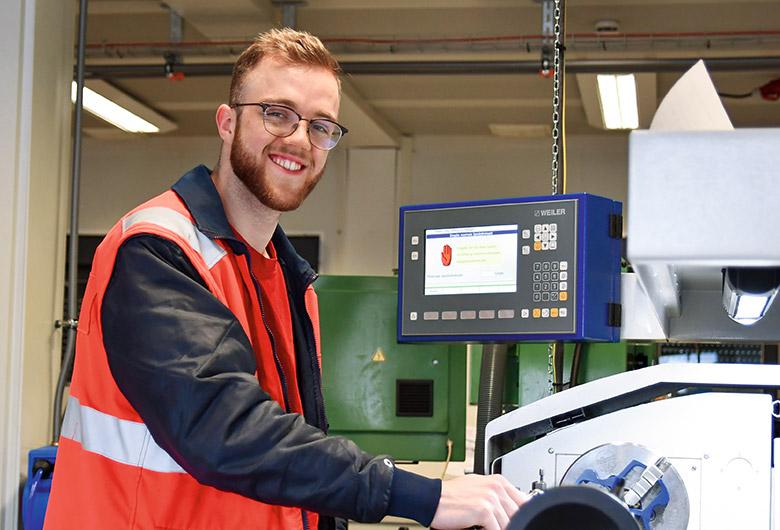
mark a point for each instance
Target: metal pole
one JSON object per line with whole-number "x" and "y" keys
{"x": 69, "y": 325}
{"x": 584, "y": 66}
{"x": 289, "y": 11}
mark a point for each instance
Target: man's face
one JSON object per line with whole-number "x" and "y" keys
{"x": 281, "y": 172}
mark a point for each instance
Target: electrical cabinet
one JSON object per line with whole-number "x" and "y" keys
{"x": 405, "y": 400}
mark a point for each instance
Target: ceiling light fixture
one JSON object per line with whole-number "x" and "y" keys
{"x": 117, "y": 108}
{"x": 617, "y": 97}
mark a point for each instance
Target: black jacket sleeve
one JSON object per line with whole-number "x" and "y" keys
{"x": 183, "y": 361}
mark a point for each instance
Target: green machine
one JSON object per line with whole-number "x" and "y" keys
{"x": 407, "y": 400}
{"x": 527, "y": 375}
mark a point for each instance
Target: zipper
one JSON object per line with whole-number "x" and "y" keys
{"x": 323, "y": 416}
{"x": 277, "y": 362}
{"x": 279, "y": 368}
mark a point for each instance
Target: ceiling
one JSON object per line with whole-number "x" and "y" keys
{"x": 438, "y": 66}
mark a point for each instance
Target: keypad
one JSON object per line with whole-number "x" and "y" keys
{"x": 550, "y": 283}
{"x": 545, "y": 236}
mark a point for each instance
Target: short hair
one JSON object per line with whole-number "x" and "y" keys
{"x": 291, "y": 47}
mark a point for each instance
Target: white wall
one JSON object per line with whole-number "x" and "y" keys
{"x": 484, "y": 167}
{"x": 117, "y": 176}
{"x": 371, "y": 213}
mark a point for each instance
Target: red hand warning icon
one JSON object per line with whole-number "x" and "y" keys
{"x": 446, "y": 255}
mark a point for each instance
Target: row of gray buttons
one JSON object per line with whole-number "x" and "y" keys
{"x": 550, "y": 276}
{"x": 551, "y": 286}
{"x": 483, "y": 314}
{"x": 551, "y": 265}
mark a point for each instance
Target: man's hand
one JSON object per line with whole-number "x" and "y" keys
{"x": 477, "y": 500}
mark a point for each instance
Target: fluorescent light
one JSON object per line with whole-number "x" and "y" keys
{"x": 114, "y": 114}
{"x": 617, "y": 95}
{"x": 610, "y": 104}
{"x": 629, "y": 114}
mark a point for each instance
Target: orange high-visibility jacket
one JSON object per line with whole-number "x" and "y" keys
{"x": 166, "y": 424}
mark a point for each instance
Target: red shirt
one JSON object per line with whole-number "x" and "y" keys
{"x": 278, "y": 324}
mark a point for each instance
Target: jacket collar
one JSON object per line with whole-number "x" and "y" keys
{"x": 198, "y": 192}
{"x": 200, "y": 195}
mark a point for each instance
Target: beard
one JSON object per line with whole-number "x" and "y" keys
{"x": 249, "y": 169}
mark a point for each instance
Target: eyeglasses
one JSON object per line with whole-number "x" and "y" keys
{"x": 282, "y": 121}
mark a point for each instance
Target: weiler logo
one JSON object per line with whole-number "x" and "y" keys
{"x": 550, "y": 213}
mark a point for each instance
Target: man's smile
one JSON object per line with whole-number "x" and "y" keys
{"x": 286, "y": 163}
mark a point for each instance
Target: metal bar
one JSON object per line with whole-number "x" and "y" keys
{"x": 586, "y": 66}
{"x": 572, "y": 66}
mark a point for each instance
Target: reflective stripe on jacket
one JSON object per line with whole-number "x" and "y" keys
{"x": 117, "y": 470}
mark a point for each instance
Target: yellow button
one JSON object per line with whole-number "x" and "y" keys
{"x": 537, "y": 313}
{"x": 563, "y": 296}
{"x": 538, "y": 245}
{"x": 554, "y": 312}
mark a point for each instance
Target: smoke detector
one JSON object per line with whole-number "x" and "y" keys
{"x": 607, "y": 26}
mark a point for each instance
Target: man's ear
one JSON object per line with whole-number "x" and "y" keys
{"x": 226, "y": 122}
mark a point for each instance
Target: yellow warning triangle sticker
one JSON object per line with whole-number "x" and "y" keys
{"x": 379, "y": 356}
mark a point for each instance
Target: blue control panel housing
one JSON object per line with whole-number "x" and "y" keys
{"x": 522, "y": 269}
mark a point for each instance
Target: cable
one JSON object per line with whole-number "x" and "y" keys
{"x": 563, "y": 106}
{"x": 575, "y": 365}
{"x": 447, "y": 462}
{"x": 737, "y": 96}
{"x": 769, "y": 91}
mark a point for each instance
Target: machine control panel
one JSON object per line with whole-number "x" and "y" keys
{"x": 503, "y": 270}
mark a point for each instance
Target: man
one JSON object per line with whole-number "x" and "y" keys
{"x": 194, "y": 298}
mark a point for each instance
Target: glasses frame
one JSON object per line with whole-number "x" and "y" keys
{"x": 265, "y": 106}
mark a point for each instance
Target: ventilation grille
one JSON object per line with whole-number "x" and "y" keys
{"x": 414, "y": 397}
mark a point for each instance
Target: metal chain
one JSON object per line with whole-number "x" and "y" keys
{"x": 547, "y": 37}
{"x": 556, "y": 145}
{"x": 550, "y": 369}
{"x": 557, "y": 93}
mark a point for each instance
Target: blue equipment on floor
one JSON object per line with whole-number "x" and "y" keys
{"x": 38, "y": 486}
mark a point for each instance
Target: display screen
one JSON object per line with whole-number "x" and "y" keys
{"x": 468, "y": 260}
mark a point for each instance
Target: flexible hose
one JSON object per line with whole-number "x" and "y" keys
{"x": 491, "y": 395}
{"x": 574, "y": 379}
